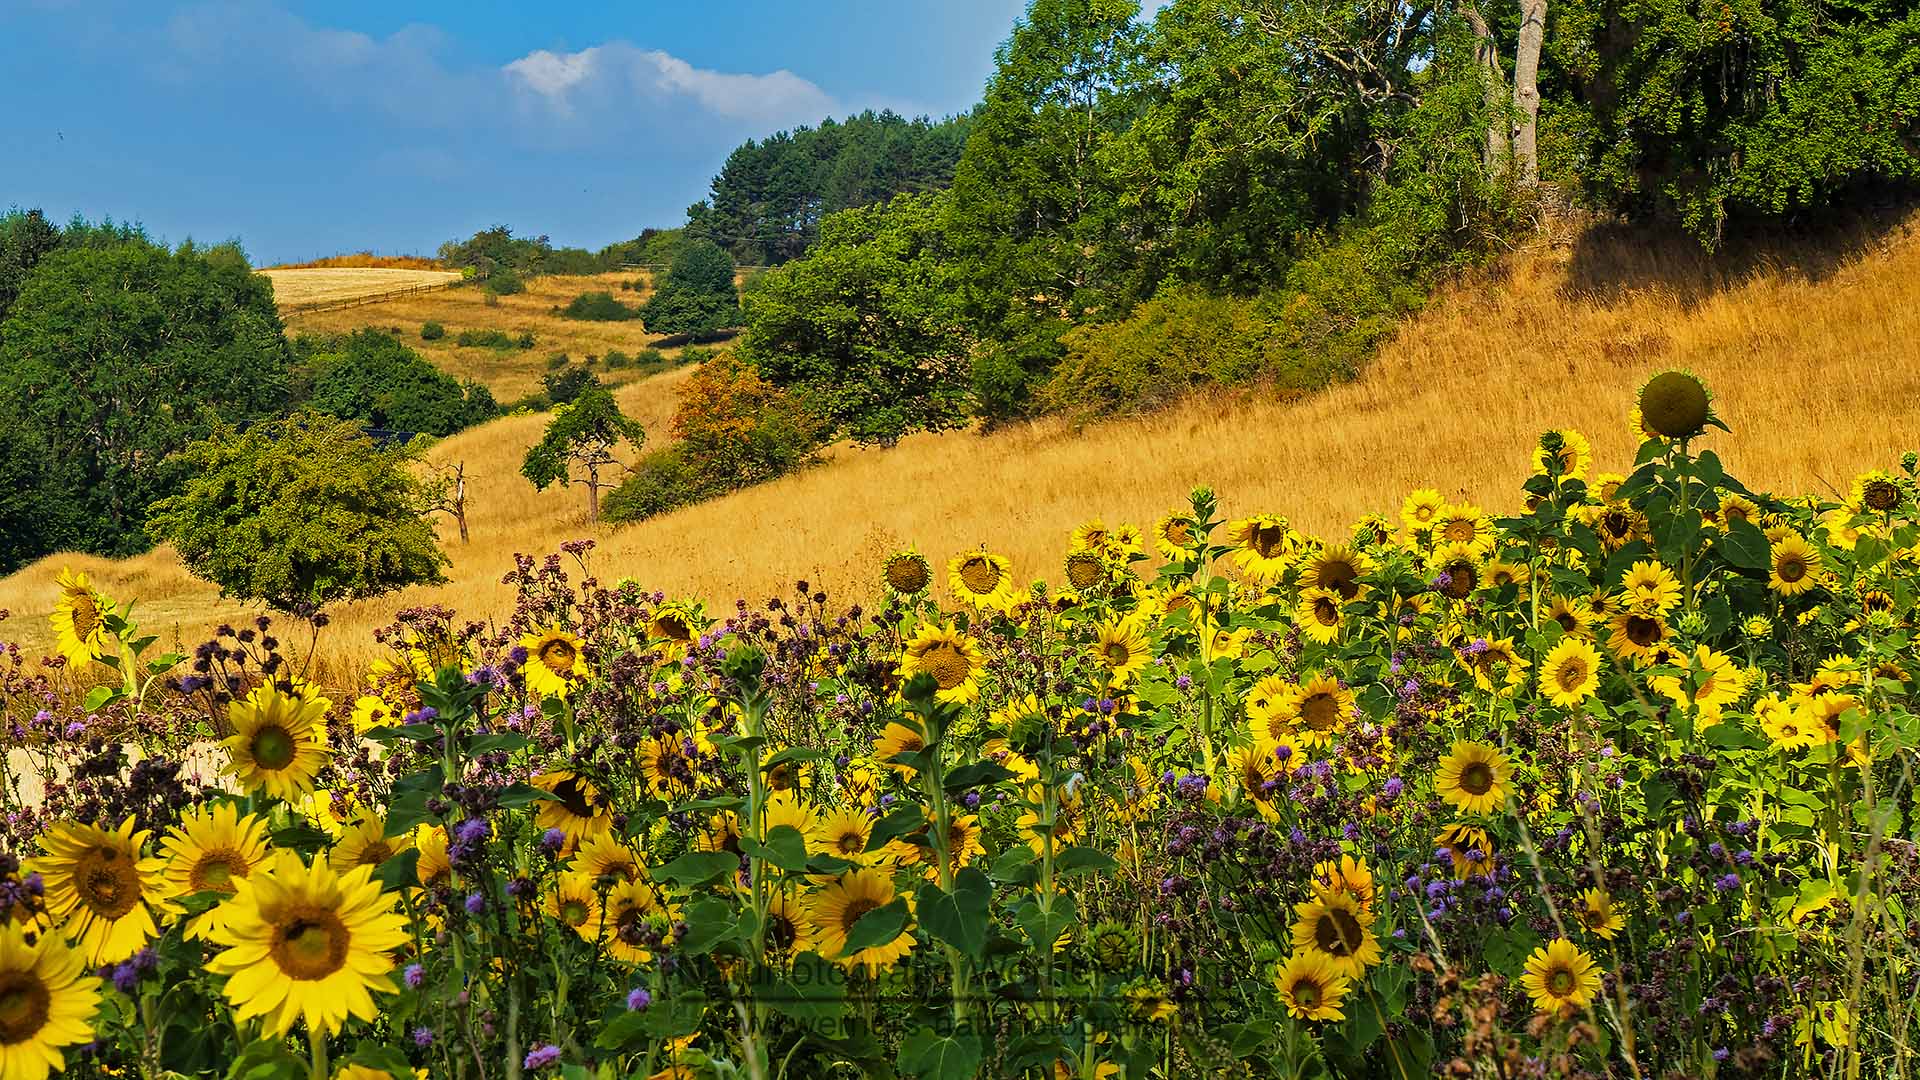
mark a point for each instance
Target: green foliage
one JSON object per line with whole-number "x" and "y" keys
{"x": 864, "y": 326}
{"x": 1169, "y": 345}
{"x": 487, "y": 339}
{"x": 372, "y": 377}
{"x": 567, "y": 383}
{"x": 599, "y": 307}
{"x": 306, "y": 510}
{"x": 582, "y": 435}
{"x": 697, "y": 296}
{"x": 769, "y": 199}
{"x": 118, "y": 355}
{"x": 25, "y": 238}
{"x": 496, "y": 249}
{"x": 504, "y": 282}
{"x": 660, "y": 481}
{"x": 432, "y": 331}
{"x": 1705, "y": 115}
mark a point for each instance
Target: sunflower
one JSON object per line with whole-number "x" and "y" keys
{"x": 366, "y": 843}
{"x": 1617, "y": 525}
{"x": 577, "y": 808}
{"x": 981, "y": 579}
{"x": 371, "y": 711}
{"x": 673, "y": 627}
{"x": 636, "y": 921}
{"x": 435, "y": 866}
{"x": 1121, "y": 647}
{"x": 1268, "y": 716}
{"x": 1264, "y": 546}
{"x": 664, "y": 762}
{"x": 79, "y": 620}
{"x": 1318, "y": 615}
{"x": 1495, "y": 665}
{"x": 211, "y": 847}
{"x": 843, "y": 833}
{"x": 1636, "y": 637}
{"x": 838, "y": 906}
{"x": 1461, "y": 843}
{"x": 1573, "y": 617}
{"x": 1473, "y": 776}
{"x": 1823, "y": 713}
{"x": 277, "y": 743}
{"x": 721, "y": 833}
{"x": 554, "y": 662}
{"x": 1173, "y": 535}
{"x": 1311, "y": 986}
{"x": 574, "y": 902}
{"x": 1090, "y": 536}
{"x": 1597, "y": 913}
{"x": 47, "y": 1001}
{"x": 1793, "y": 566}
{"x": 950, "y": 656}
{"x": 1712, "y": 683}
{"x": 1085, "y": 569}
{"x": 907, "y": 573}
{"x": 1456, "y": 569}
{"x": 305, "y": 943}
{"x": 1499, "y": 574}
{"x": 1467, "y": 525}
{"x": 963, "y": 846}
{"x": 1340, "y": 928}
{"x": 897, "y": 739}
{"x": 1734, "y": 507}
{"x": 99, "y": 890}
{"x": 1253, "y": 769}
{"x": 1039, "y": 834}
{"x": 1318, "y": 708}
{"x": 1337, "y": 569}
{"x": 789, "y": 809}
{"x": 1571, "y": 672}
{"x": 1573, "y": 458}
{"x": 606, "y": 856}
{"x": 1421, "y": 509}
{"x": 1344, "y": 875}
{"x": 1876, "y": 492}
{"x": 1559, "y": 976}
{"x": 788, "y": 931}
{"x": 1650, "y": 588}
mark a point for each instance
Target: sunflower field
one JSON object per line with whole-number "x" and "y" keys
{"x": 1619, "y": 786}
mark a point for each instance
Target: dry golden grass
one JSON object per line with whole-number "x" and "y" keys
{"x": 1817, "y": 366}
{"x": 292, "y": 288}
{"x": 364, "y": 259}
{"x": 510, "y": 373}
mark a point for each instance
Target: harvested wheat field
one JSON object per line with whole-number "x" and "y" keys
{"x": 1817, "y": 367}
{"x": 296, "y": 288}
{"x": 511, "y": 373}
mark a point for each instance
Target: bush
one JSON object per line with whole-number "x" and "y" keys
{"x": 660, "y": 481}
{"x": 652, "y": 359}
{"x": 374, "y": 378}
{"x": 599, "y": 307}
{"x": 504, "y": 282}
{"x": 558, "y": 360}
{"x": 301, "y": 511}
{"x": 488, "y": 339}
{"x": 432, "y": 331}
{"x": 697, "y": 296}
{"x": 617, "y": 360}
{"x": 525, "y": 340}
{"x": 565, "y": 385}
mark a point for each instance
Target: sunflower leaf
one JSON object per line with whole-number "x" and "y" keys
{"x": 523, "y": 794}
{"x": 793, "y": 753}
{"x": 928, "y": 1053}
{"x": 814, "y": 992}
{"x": 977, "y": 774}
{"x": 958, "y": 918}
{"x": 909, "y": 818}
{"x": 697, "y": 868}
{"x": 877, "y": 927}
{"x": 1745, "y": 546}
{"x": 785, "y": 848}
{"x": 1077, "y": 860}
{"x": 399, "y": 872}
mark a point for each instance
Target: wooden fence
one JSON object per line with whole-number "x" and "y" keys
{"x": 310, "y": 306}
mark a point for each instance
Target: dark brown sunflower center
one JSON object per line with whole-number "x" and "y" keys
{"x": 1178, "y": 533}
{"x": 1616, "y": 523}
{"x": 1083, "y": 571}
{"x": 854, "y": 909}
{"x": 1594, "y": 917}
{"x": 1477, "y": 778}
{"x": 1459, "y": 530}
{"x": 1643, "y": 631}
{"x": 374, "y": 854}
{"x": 572, "y": 795}
{"x": 1567, "y": 620}
{"x": 1338, "y": 933}
{"x": 1339, "y": 576}
{"x": 86, "y": 616}
{"x": 906, "y": 575}
{"x": 558, "y": 656}
{"x": 673, "y": 628}
{"x": 1116, "y": 653}
{"x": 1560, "y": 982}
{"x": 781, "y": 932}
{"x": 215, "y": 872}
{"x": 850, "y": 843}
{"x": 947, "y": 664}
{"x": 1307, "y": 993}
{"x": 979, "y": 574}
{"x": 274, "y": 747}
{"x": 1462, "y": 578}
{"x": 1267, "y": 540}
{"x": 1321, "y": 711}
{"x": 25, "y": 1004}
{"x": 310, "y": 943}
{"x": 1326, "y": 612}
{"x": 1572, "y": 674}
{"x": 1880, "y": 495}
{"x": 1790, "y": 568}
{"x": 108, "y": 882}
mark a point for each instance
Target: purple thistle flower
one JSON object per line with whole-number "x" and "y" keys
{"x": 423, "y": 1037}
{"x": 553, "y": 840}
{"x": 542, "y": 1056}
{"x": 639, "y": 999}
{"x": 415, "y": 975}
{"x": 476, "y": 904}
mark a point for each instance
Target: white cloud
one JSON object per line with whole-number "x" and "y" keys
{"x": 620, "y": 74}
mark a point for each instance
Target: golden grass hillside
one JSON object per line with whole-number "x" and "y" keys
{"x": 1816, "y": 361}
{"x": 510, "y": 373}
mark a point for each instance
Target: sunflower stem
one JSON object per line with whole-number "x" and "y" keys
{"x": 317, "y": 1040}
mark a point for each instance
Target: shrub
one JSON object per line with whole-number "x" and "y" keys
{"x": 697, "y": 296}
{"x": 660, "y": 481}
{"x": 1166, "y": 347}
{"x": 582, "y": 437}
{"x": 558, "y": 360}
{"x": 504, "y": 282}
{"x": 372, "y": 377}
{"x": 525, "y": 340}
{"x": 488, "y": 339}
{"x": 652, "y": 359}
{"x": 306, "y": 510}
{"x": 599, "y": 307}
{"x": 568, "y": 383}
{"x": 617, "y": 360}
{"x": 432, "y": 331}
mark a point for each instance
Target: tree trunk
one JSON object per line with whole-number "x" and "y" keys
{"x": 593, "y": 492}
{"x": 460, "y": 498}
{"x": 1526, "y": 87}
{"x": 1486, "y": 57}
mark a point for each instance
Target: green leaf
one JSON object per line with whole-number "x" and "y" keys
{"x": 400, "y": 871}
{"x": 1734, "y": 736}
{"x": 877, "y": 927}
{"x": 697, "y": 868}
{"x": 98, "y": 697}
{"x": 793, "y": 753}
{"x": 267, "y": 1059}
{"x": 907, "y": 819}
{"x": 785, "y": 848}
{"x": 1043, "y": 928}
{"x": 386, "y": 1058}
{"x": 977, "y": 774}
{"x": 1080, "y": 860}
{"x": 813, "y": 992}
{"x": 301, "y": 838}
{"x": 1507, "y": 950}
{"x": 958, "y": 918}
{"x": 709, "y": 922}
{"x": 730, "y": 802}
{"x": 928, "y": 1053}
{"x": 523, "y": 794}
{"x": 505, "y": 740}
{"x": 1745, "y": 546}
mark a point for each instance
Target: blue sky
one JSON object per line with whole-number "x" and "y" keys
{"x": 308, "y": 129}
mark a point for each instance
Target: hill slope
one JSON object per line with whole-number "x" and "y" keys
{"x": 1817, "y": 364}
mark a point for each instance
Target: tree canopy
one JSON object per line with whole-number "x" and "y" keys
{"x": 583, "y": 435}
{"x": 697, "y": 295}
{"x": 371, "y": 376}
{"x": 305, "y": 510}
